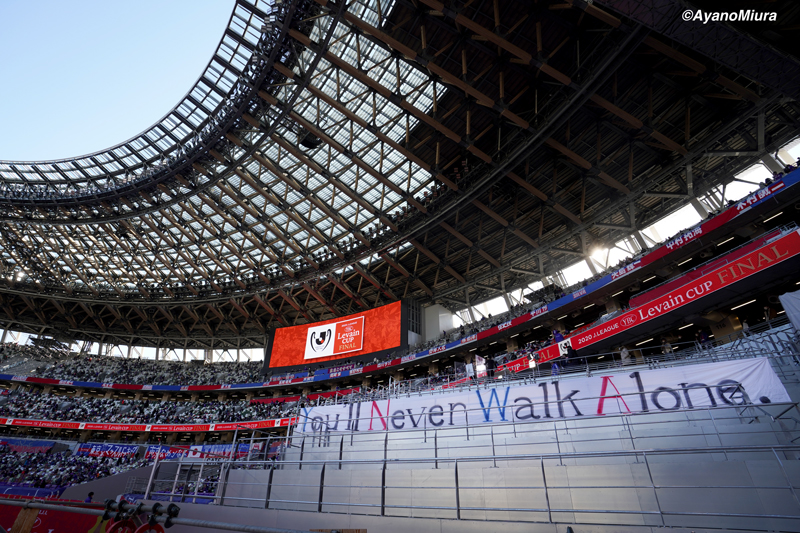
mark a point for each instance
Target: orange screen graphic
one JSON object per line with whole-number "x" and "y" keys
{"x": 382, "y": 331}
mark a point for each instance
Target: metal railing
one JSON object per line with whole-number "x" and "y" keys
{"x": 384, "y": 504}
{"x": 565, "y": 436}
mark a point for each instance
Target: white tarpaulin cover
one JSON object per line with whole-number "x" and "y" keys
{"x": 687, "y": 387}
{"x": 791, "y": 304}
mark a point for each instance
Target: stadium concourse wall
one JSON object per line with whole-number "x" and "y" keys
{"x": 758, "y": 198}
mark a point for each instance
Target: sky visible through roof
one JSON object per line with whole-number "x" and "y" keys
{"x": 82, "y": 76}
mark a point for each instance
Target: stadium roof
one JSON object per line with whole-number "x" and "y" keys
{"x": 338, "y": 156}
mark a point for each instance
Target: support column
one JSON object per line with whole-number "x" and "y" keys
{"x": 640, "y": 239}
{"x": 771, "y": 163}
{"x": 591, "y": 266}
{"x": 469, "y": 307}
{"x": 701, "y": 209}
{"x": 612, "y": 305}
{"x": 503, "y": 288}
{"x": 511, "y": 344}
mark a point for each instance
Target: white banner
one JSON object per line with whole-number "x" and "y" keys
{"x": 791, "y": 303}
{"x": 688, "y": 387}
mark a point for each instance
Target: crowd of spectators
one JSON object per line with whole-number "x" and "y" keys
{"x": 38, "y": 405}
{"x": 149, "y": 372}
{"x": 11, "y": 349}
{"x": 58, "y": 470}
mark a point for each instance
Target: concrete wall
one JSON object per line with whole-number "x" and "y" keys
{"x": 435, "y": 319}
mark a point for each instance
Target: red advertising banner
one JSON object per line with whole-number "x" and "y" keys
{"x": 167, "y": 428}
{"x": 374, "y": 330}
{"x": 736, "y": 269}
{"x": 54, "y": 521}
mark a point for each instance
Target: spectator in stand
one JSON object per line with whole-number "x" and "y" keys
{"x": 702, "y": 338}
{"x": 491, "y": 366}
{"x": 666, "y": 348}
{"x": 625, "y": 355}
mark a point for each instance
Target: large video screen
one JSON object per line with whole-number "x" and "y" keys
{"x": 376, "y": 330}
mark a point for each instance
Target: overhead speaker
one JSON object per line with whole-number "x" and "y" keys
{"x": 773, "y": 299}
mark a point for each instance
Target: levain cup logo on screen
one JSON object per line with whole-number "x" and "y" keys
{"x": 334, "y": 339}
{"x": 319, "y": 340}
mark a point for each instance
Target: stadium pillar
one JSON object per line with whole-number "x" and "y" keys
{"x": 137, "y": 396}
{"x": 171, "y": 438}
{"x": 612, "y": 305}
{"x": 200, "y": 438}
{"x": 116, "y": 435}
{"x": 143, "y": 437}
{"x": 511, "y": 344}
{"x": 195, "y": 396}
{"x": 108, "y": 394}
{"x": 166, "y": 396}
{"x": 248, "y": 396}
{"x": 47, "y": 389}
{"x": 85, "y": 434}
{"x": 771, "y": 163}
{"x": 701, "y": 209}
